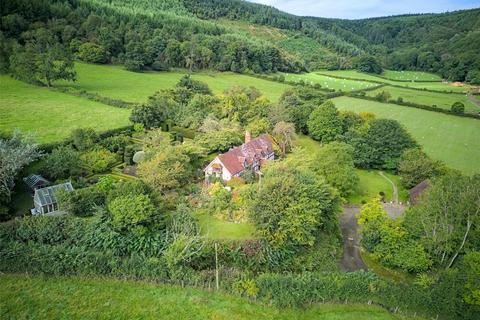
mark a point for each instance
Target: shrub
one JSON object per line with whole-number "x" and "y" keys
{"x": 458, "y": 107}
{"x": 62, "y": 163}
{"x": 98, "y": 160}
{"x": 81, "y": 202}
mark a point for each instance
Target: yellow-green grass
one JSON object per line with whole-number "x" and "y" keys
{"x": 441, "y": 100}
{"x": 410, "y": 75}
{"x": 370, "y": 184}
{"x": 435, "y": 85}
{"x": 329, "y": 82}
{"x": 52, "y": 115}
{"x": 114, "y": 81}
{"x": 33, "y": 297}
{"x": 451, "y": 139}
{"x": 216, "y": 228}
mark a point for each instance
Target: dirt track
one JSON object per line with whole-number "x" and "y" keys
{"x": 351, "y": 260}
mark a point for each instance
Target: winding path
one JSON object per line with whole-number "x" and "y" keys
{"x": 394, "y": 187}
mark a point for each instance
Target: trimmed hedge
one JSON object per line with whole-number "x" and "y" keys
{"x": 48, "y": 147}
{"x": 416, "y": 105}
{"x": 96, "y": 97}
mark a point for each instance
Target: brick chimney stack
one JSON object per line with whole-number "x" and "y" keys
{"x": 248, "y": 136}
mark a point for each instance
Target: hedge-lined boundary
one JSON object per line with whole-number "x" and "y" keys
{"x": 391, "y": 85}
{"x": 48, "y": 147}
{"x": 95, "y": 97}
{"x": 417, "y": 106}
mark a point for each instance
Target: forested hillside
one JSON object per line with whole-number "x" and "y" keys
{"x": 209, "y": 34}
{"x": 444, "y": 43}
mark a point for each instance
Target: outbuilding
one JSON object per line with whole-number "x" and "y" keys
{"x": 45, "y": 199}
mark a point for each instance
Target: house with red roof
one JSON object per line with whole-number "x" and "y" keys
{"x": 249, "y": 156}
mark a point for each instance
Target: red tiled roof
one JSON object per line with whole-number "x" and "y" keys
{"x": 235, "y": 158}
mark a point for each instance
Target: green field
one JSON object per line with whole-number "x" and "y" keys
{"x": 214, "y": 228}
{"x": 28, "y": 297}
{"x": 353, "y": 74}
{"x": 410, "y": 75}
{"x": 453, "y": 140}
{"x": 52, "y": 115}
{"x": 442, "y": 100}
{"x": 115, "y": 82}
{"x": 329, "y": 82}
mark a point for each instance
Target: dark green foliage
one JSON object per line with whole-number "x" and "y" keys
{"x": 193, "y": 85}
{"x": 81, "y": 202}
{"x": 290, "y": 206}
{"x": 324, "y": 123}
{"x": 380, "y": 145}
{"x": 300, "y": 103}
{"x": 151, "y": 116}
{"x": 369, "y": 64}
{"x": 43, "y": 59}
{"x": 64, "y": 162}
{"x": 415, "y": 166}
{"x": 458, "y": 107}
{"x": 334, "y": 162}
{"x": 84, "y": 139}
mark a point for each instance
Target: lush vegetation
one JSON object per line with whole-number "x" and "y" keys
{"x": 443, "y": 137}
{"x": 52, "y": 115}
{"x": 144, "y": 209}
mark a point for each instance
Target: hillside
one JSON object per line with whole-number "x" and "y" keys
{"x": 240, "y": 36}
{"x": 23, "y": 296}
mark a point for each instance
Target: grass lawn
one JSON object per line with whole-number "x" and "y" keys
{"x": 370, "y": 184}
{"x": 453, "y": 140}
{"x": 215, "y": 228}
{"x": 442, "y": 100}
{"x": 28, "y": 297}
{"x": 329, "y": 82}
{"x": 52, "y": 115}
{"x": 114, "y": 81}
{"x": 411, "y": 75}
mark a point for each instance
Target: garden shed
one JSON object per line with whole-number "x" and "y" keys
{"x": 45, "y": 199}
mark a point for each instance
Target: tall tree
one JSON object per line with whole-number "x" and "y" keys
{"x": 43, "y": 59}
{"x": 325, "y": 124}
{"x": 16, "y": 152}
{"x": 447, "y": 217}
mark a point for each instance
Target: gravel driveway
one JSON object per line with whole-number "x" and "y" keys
{"x": 351, "y": 260}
